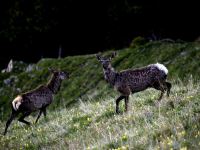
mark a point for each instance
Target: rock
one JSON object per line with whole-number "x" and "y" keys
{"x": 10, "y": 81}
{"x": 10, "y": 66}
{"x": 29, "y": 68}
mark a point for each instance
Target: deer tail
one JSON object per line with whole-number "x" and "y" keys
{"x": 17, "y": 102}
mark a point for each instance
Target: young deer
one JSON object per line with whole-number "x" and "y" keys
{"x": 135, "y": 80}
{"x": 37, "y": 99}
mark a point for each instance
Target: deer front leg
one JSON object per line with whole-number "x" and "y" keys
{"x": 117, "y": 103}
{"x": 43, "y": 110}
{"x": 45, "y": 113}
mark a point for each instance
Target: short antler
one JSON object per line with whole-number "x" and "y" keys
{"x": 98, "y": 56}
{"x": 51, "y": 69}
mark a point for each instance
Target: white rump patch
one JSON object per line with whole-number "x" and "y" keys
{"x": 17, "y": 102}
{"x": 161, "y": 67}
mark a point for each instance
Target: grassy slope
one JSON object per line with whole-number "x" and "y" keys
{"x": 93, "y": 123}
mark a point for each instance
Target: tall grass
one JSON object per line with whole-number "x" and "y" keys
{"x": 93, "y": 124}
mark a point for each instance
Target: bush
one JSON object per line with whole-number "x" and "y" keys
{"x": 137, "y": 41}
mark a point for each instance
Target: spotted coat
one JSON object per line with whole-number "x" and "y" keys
{"x": 135, "y": 80}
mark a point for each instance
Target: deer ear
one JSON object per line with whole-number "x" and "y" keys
{"x": 98, "y": 57}
{"x": 113, "y": 55}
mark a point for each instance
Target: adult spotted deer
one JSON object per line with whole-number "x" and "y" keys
{"x": 37, "y": 99}
{"x": 134, "y": 80}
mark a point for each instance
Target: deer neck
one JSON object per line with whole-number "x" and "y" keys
{"x": 110, "y": 75}
{"x": 54, "y": 84}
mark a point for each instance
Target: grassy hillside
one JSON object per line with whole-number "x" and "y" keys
{"x": 82, "y": 115}
{"x": 94, "y": 125}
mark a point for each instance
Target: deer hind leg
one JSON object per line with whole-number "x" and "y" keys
{"x": 168, "y": 86}
{"x": 12, "y": 116}
{"x": 117, "y": 102}
{"x": 161, "y": 95}
{"x": 159, "y": 86}
{"x": 21, "y": 119}
{"x": 126, "y": 103}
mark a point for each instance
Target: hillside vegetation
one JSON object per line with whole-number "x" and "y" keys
{"x": 82, "y": 115}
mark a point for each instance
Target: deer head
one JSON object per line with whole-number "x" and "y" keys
{"x": 105, "y": 61}
{"x": 59, "y": 74}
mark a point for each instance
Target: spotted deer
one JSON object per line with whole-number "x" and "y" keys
{"x": 134, "y": 80}
{"x": 37, "y": 99}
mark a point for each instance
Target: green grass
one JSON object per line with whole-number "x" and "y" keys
{"x": 82, "y": 115}
{"x": 172, "y": 124}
